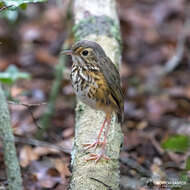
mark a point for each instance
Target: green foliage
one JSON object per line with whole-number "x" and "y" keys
{"x": 184, "y": 176}
{"x": 11, "y": 11}
{"x": 17, "y": 3}
{"x": 12, "y": 74}
{"x": 178, "y": 143}
{"x": 188, "y": 163}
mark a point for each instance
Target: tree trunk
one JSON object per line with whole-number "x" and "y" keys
{"x": 96, "y": 21}
{"x": 7, "y": 138}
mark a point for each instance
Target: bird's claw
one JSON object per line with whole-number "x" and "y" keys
{"x": 95, "y": 144}
{"x": 97, "y": 157}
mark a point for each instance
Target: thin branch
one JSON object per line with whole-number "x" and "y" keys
{"x": 29, "y": 107}
{"x": 135, "y": 165}
{"x": 174, "y": 61}
{"x": 151, "y": 137}
{"x": 5, "y": 7}
{"x": 41, "y": 143}
{"x": 27, "y": 104}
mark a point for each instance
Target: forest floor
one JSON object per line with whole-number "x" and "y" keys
{"x": 155, "y": 74}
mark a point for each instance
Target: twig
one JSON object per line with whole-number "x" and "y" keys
{"x": 151, "y": 137}
{"x": 174, "y": 61}
{"x": 135, "y": 165}
{"x": 27, "y": 104}
{"x": 41, "y": 143}
{"x": 109, "y": 188}
{"x": 29, "y": 107}
{"x": 5, "y": 7}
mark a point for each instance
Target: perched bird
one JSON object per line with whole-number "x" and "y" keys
{"x": 96, "y": 82}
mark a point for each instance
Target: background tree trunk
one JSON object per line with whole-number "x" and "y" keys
{"x": 96, "y": 21}
{"x": 10, "y": 157}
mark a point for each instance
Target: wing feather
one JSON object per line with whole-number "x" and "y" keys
{"x": 112, "y": 78}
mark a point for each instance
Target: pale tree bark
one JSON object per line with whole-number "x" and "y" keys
{"x": 96, "y": 21}
{"x": 7, "y": 138}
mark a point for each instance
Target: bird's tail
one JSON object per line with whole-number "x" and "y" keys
{"x": 120, "y": 117}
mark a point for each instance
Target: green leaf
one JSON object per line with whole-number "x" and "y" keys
{"x": 178, "y": 143}
{"x": 17, "y": 3}
{"x": 184, "y": 176}
{"x": 12, "y": 74}
{"x": 23, "y": 6}
{"x": 188, "y": 163}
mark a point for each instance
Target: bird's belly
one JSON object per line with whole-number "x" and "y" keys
{"x": 83, "y": 96}
{"x": 82, "y": 92}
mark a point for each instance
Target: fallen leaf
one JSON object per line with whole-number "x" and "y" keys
{"x": 27, "y": 155}
{"x": 62, "y": 167}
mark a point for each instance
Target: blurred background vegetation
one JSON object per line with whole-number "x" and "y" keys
{"x": 155, "y": 74}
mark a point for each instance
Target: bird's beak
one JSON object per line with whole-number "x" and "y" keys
{"x": 67, "y": 52}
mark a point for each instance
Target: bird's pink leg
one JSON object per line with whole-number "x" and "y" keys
{"x": 97, "y": 157}
{"x": 97, "y": 142}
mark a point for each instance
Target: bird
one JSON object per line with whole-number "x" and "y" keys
{"x": 96, "y": 82}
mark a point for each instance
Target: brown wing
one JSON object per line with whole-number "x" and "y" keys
{"x": 112, "y": 78}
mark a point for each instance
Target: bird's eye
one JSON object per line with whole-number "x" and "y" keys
{"x": 85, "y": 53}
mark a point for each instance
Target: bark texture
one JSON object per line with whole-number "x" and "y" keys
{"x": 96, "y": 21}
{"x": 7, "y": 138}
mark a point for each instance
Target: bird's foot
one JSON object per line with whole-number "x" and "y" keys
{"x": 93, "y": 145}
{"x": 97, "y": 157}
